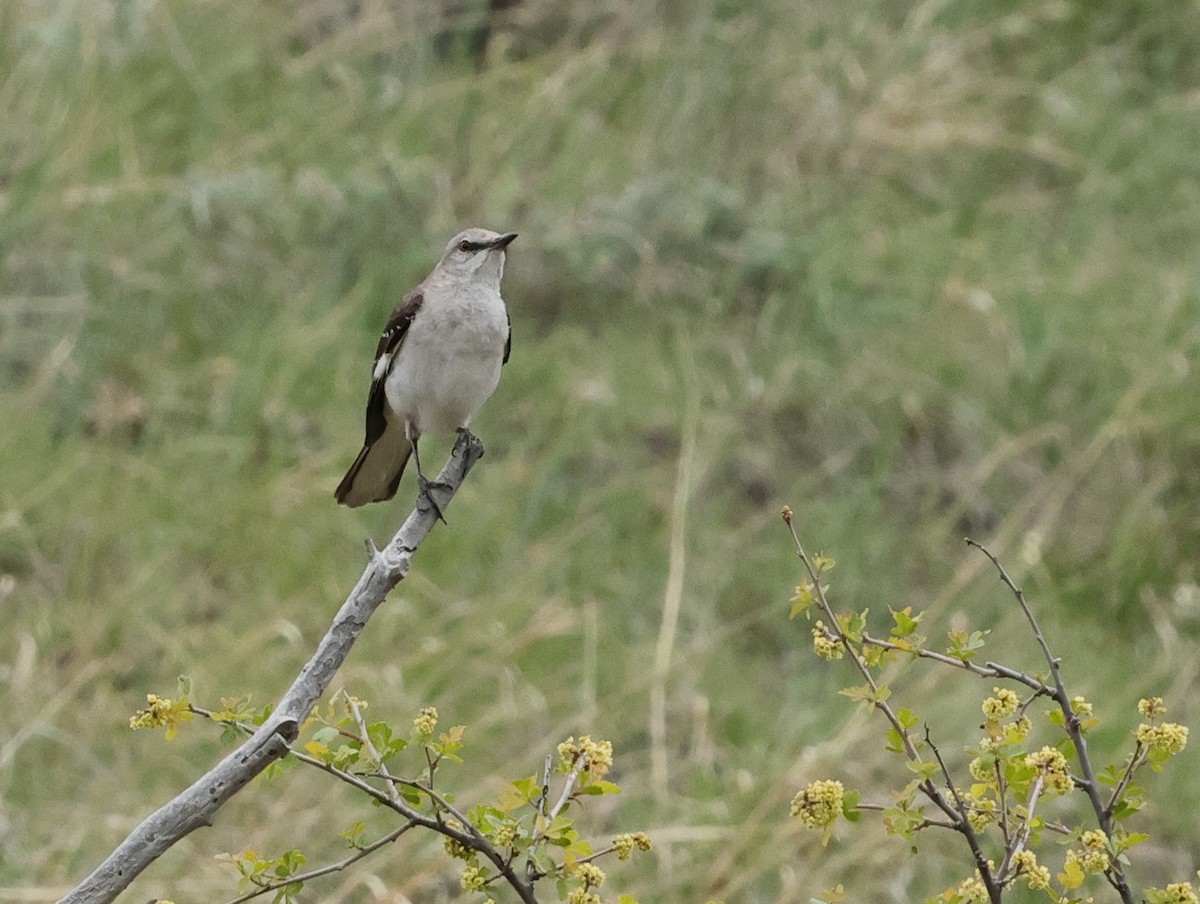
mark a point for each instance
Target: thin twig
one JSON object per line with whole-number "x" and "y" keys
{"x": 568, "y": 787}
{"x": 923, "y": 824}
{"x": 964, "y": 824}
{"x": 365, "y": 737}
{"x": 987, "y": 670}
{"x": 1002, "y": 800}
{"x": 1010, "y": 854}
{"x": 928, "y": 788}
{"x": 359, "y": 854}
{"x": 1089, "y": 784}
{"x": 468, "y": 835}
{"x": 1135, "y": 762}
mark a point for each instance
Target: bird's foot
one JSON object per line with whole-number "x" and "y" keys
{"x": 469, "y": 444}
{"x": 425, "y": 486}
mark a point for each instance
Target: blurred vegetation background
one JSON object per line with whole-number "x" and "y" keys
{"x": 919, "y": 269}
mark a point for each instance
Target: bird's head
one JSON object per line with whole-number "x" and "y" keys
{"x": 476, "y": 254}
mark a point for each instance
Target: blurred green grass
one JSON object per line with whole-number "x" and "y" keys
{"x": 919, "y": 269}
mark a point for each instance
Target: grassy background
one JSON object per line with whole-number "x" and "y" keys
{"x": 918, "y": 269}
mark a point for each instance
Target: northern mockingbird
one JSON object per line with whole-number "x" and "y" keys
{"x": 437, "y": 362}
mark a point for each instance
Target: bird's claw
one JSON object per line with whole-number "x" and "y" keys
{"x": 425, "y": 486}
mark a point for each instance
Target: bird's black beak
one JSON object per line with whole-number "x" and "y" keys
{"x": 504, "y": 240}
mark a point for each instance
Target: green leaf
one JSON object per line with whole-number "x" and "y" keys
{"x": 907, "y": 717}
{"x": 318, "y": 751}
{"x": 289, "y": 862}
{"x": 1133, "y": 839}
{"x": 850, "y": 805}
{"x": 963, "y": 645}
{"x": 519, "y": 793}
{"x": 861, "y": 693}
{"x": 183, "y": 686}
{"x": 905, "y": 622}
{"x": 895, "y": 741}
{"x": 853, "y": 624}
{"x": 600, "y": 787}
{"x": 326, "y": 735}
{"x": 355, "y": 834}
{"x": 1072, "y": 876}
{"x": 927, "y": 769}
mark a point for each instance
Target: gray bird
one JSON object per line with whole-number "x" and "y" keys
{"x": 437, "y": 362}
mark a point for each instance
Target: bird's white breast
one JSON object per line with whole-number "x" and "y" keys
{"x": 449, "y": 363}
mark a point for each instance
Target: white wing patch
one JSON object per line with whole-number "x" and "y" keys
{"x": 382, "y": 366}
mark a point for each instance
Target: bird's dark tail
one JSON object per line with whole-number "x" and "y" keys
{"x": 375, "y": 474}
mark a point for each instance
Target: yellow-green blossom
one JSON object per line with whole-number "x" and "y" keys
{"x": 972, "y": 891}
{"x": 426, "y": 722}
{"x": 473, "y": 879}
{"x": 819, "y": 804}
{"x": 592, "y": 875}
{"x": 455, "y": 848}
{"x": 154, "y": 715}
{"x": 982, "y": 813}
{"x": 823, "y": 646}
{"x": 983, "y": 769}
{"x": 1037, "y": 878}
{"x": 1178, "y": 893}
{"x": 1002, "y": 704}
{"x": 582, "y": 896}
{"x": 597, "y": 756}
{"x": 1151, "y": 707}
{"x": 1170, "y": 737}
{"x": 506, "y": 835}
{"x": 1053, "y": 766}
{"x": 1090, "y": 861}
{"x": 624, "y": 844}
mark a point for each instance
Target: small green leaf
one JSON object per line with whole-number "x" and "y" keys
{"x": 326, "y": 736}
{"x": 861, "y": 693}
{"x": 600, "y": 787}
{"x": 895, "y": 741}
{"x": 927, "y": 769}
{"x": 905, "y": 622}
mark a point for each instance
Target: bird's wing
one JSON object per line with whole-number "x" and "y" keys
{"x": 390, "y": 343}
{"x": 376, "y": 472}
{"x": 508, "y": 338}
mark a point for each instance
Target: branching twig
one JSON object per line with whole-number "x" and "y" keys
{"x": 364, "y": 735}
{"x": 468, "y": 835}
{"x": 923, "y": 824}
{"x": 964, "y": 824}
{"x": 1089, "y": 784}
{"x": 1010, "y": 854}
{"x": 568, "y": 787}
{"x": 359, "y": 854}
{"x": 928, "y": 788}
{"x": 198, "y": 805}
{"x": 1135, "y": 763}
{"x": 987, "y": 670}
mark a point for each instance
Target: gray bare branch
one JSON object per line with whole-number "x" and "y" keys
{"x": 198, "y": 805}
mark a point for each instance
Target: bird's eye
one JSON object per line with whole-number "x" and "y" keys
{"x": 464, "y": 245}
